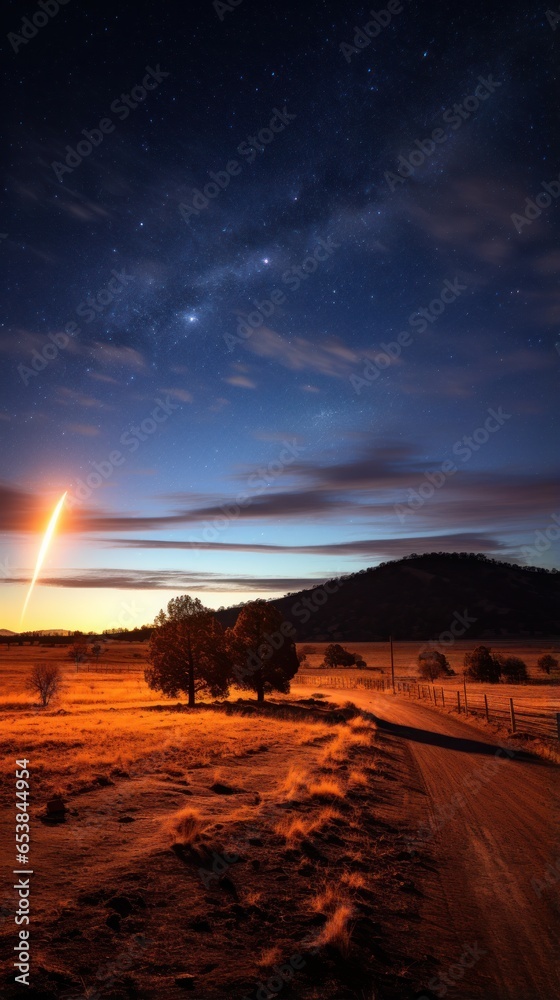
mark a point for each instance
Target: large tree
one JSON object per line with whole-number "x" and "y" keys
{"x": 263, "y": 650}
{"x": 187, "y": 651}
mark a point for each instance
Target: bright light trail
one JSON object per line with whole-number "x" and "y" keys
{"x": 43, "y": 550}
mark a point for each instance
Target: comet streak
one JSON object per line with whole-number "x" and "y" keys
{"x": 43, "y": 550}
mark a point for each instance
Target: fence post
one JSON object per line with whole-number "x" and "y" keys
{"x": 486, "y": 708}
{"x": 459, "y": 702}
{"x": 442, "y": 698}
{"x": 435, "y": 695}
{"x": 512, "y": 715}
{"x": 465, "y": 690}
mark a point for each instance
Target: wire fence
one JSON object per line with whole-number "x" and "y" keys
{"x": 519, "y": 715}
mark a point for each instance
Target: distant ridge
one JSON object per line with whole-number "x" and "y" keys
{"x": 420, "y": 596}
{"x": 39, "y": 631}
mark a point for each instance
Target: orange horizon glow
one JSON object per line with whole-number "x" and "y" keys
{"x": 43, "y": 550}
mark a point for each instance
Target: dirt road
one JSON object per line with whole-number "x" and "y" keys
{"x": 488, "y": 823}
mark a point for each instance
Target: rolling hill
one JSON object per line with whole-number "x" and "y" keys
{"x": 420, "y": 596}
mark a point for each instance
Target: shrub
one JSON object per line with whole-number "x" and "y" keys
{"x": 481, "y": 665}
{"x": 547, "y": 663}
{"x": 432, "y": 664}
{"x": 185, "y": 827}
{"x": 514, "y": 669}
{"x": 336, "y": 656}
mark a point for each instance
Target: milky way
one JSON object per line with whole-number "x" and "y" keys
{"x": 297, "y": 226}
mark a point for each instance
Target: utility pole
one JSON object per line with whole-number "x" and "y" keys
{"x": 392, "y": 664}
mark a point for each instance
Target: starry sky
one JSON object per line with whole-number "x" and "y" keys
{"x": 276, "y": 304}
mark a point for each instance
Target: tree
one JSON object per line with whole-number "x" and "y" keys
{"x": 187, "y": 651}
{"x": 44, "y": 680}
{"x": 481, "y": 665}
{"x": 432, "y": 664}
{"x": 263, "y": 650}
{"x": 547, "y": 663}
{"x": 96, "y": 649}
{"x": 514, "y": 669}
{"x": 78, "y": 651}
{"x": 336, "y": 656}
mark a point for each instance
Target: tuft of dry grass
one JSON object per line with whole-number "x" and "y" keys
{"x": 269, "y": 957}
{"x": 185, "y": 827}
{"x": 325, "y": 789}
{"x": 354, "y": 880}
{"x": 294, "y": 828}
{"x": 336, "y": 931}
{"x": 295, "y": 784}
{"x": 359, "y": 778}
{"x": 340, "y": 747}
{"x": 324, "y": 900}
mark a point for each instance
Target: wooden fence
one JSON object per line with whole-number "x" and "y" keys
{"x": 519, "y": 715}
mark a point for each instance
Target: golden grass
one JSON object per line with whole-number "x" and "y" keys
{"x": 269, "y": 957}
{"x": 341, "y": 746}
{"x": 354, "y": 880}
{"x": 358, "y": 778}
{"x": 295, "y": 783}
{"x": 185, "y": 827}
{"x": 294, "y": 828}
{"x": 325, "y": 900}
{"x": 326, "y": 788}
{"x": 336, "y": 931}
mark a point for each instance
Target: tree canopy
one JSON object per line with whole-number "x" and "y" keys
{"x": 262, "y": 648}
{"x": 187, "y": 651}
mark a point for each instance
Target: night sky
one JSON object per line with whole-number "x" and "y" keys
{"x": 272, "y": 372}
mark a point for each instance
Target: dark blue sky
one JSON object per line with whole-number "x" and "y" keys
{"x": 316, "y": 332}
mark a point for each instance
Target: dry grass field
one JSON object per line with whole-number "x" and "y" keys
{"x": 201, "y": 849}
